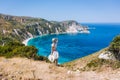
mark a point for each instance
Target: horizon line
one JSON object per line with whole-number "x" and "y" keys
{"x": 57, "y": 20}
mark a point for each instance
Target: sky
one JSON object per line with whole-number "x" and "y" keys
{"x": 88, "y": 11}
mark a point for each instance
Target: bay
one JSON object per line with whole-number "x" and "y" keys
{"x": 74, "y": 46}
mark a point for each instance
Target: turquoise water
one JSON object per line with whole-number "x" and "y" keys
{"x": 73, "y": 46}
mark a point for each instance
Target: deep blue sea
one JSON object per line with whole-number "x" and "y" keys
{"x": 73, "y": 46}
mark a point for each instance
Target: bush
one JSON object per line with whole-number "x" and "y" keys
{"x": 16, "y": 49}
{"x": 97, "y": 63}
{"x": 115, "y": 47}
{"x": 13, "y": 44}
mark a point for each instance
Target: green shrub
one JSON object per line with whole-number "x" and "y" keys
{"x": 98, "y": 63}
{"x": 16, "y": 49}
{"x": 115, "y": 47}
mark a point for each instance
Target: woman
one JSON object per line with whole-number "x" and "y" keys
{"x": 54, "y": 51}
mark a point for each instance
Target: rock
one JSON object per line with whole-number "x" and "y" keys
{"x": 12, "y": 76}
{"x": 20, "y": 78}
{"x": 1, "y": 74}
{"x": 69, "y": 72}
{"x": 19, "y": 72}
{"x": 107, "y": 55}
{"x": 13, "y": 63}
{"x": 77, "y": 71}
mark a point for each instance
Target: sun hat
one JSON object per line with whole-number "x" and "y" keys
{"x": 54, "y": 39}
{"x": 51, "y": 58}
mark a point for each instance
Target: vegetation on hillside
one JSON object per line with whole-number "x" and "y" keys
{"x": 99, "y": 63}
{"x": 16, "y": 49}
{"x": 21, "y": 28}
{"x": 115, "y": 47}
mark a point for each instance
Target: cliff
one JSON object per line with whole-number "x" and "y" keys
{"x": 21, "y": 27}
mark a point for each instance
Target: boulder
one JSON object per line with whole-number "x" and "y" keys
{"x": 107, "y": 55}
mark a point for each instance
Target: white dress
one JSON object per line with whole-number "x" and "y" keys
{"x": 55, "y": 54}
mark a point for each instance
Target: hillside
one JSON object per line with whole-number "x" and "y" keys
{"x": 21, "y": 27}
{"x": 28, "y": 69}
{"x": 110, "y": 58}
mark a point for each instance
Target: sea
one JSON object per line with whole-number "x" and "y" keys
{"x": 76, "y": 45}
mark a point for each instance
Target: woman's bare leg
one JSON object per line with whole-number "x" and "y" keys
{"x": 56, "y": 62}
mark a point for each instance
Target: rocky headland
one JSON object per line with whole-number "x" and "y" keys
{"x": 21, "y": 28}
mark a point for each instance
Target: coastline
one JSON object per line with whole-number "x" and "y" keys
{"x": 26, "y": 41}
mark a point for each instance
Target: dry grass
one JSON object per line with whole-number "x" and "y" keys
{"x": 82, "y": 62}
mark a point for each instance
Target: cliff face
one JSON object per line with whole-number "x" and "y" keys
{"x": 21, "y": 28}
